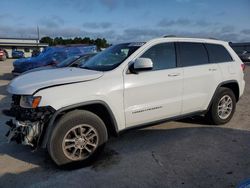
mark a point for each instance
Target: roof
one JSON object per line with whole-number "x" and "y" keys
{"x": 18, "y": 38}
{"x": 189, "y": 39}
{"x": 23, "y": 44}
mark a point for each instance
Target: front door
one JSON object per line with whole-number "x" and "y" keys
{"x": 154, "y": 94}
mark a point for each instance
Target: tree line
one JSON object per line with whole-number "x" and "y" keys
{"x": 100, "y": 43}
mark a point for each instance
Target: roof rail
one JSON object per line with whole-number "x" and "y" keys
{"x": 213, "y": 38}
{"x": 169, "y": 36}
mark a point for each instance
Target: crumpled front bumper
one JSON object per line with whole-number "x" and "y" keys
{"x": 27, "y": 125}
{"x": 26, "y": 133}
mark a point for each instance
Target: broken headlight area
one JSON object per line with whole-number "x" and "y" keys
{"x": 27, "y": 125}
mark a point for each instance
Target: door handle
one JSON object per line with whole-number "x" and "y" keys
{"x": 212, "y": 69}
{"x": 174, "y": 74}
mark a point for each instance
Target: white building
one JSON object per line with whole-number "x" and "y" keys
{"x": 27, "y": 45}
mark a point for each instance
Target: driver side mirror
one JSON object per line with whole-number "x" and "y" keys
{"x": 141, "y": 64}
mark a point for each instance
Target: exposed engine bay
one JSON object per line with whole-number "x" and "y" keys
{"x": 27, "y": 124}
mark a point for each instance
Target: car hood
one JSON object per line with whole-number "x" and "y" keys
{"x": 29, "y": 83}
{"x": 41, "y": 68}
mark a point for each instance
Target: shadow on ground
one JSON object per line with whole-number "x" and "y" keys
{"x": 197, "y": 120}
{"x": 6, "y": 76}
{"x": 186, "y": 157}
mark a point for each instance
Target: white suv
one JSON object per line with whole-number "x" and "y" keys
{"x": 73, "y": 111}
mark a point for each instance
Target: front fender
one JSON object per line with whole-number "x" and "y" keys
{"x": 52, "y": 121}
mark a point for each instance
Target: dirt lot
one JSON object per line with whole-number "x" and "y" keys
{"x": 185, "y": 153}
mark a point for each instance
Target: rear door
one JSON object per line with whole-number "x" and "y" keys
{"x": 200, "y": 77}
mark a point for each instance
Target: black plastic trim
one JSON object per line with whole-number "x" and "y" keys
{"x": 216, "y": 90}
{"x": 157, "y": 122}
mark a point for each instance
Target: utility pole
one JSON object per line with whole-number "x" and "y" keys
{"x": 38, "y": 35}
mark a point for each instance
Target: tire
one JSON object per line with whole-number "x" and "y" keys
{"x": 64, "y": 136}
{"x": 215, "y": 115}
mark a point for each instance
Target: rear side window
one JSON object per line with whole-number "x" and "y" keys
{"x": 162, "y": 55}
{"x": 192, "y": 54}
{"x": 218, "y": 53}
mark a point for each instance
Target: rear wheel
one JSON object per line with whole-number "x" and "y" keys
{"x": 77, "y": 138}
{"x": 223, "y": 107}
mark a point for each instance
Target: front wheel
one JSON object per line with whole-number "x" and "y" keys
{"x": 77, "y": 138}
{"x": 223, "y": 107}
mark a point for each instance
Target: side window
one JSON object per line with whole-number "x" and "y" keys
{"x": 218, "y": 53}
{"x": 162, "y": 55}
{"x": 192, "y": 54}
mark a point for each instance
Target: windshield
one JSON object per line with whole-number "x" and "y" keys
{"x": 111, "y": 57}
{"x": 85, "y": 58}
{"x": 67, "y": 61}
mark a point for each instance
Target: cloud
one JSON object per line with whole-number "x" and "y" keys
{"x": 227, "y": 29}
{"x": 111, "y": 4}
{"x": 182, "y": 1}
{"x": 95, "y": 25}
{"x": 135, "y": 34}
{"x": 190, "y": 1}
{"x": 54, "y": 27}
{"x": 185, "y": 22}
{"x": 90, "y": 5}
{"x": 246, "y": 31}
{"x": 167, "y": 22}
{"x": 51, "y": 22}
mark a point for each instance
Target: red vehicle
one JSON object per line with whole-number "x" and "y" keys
{"x": 2, "y": 55}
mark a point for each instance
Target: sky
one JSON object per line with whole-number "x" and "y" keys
{"x": 126, "y": 20}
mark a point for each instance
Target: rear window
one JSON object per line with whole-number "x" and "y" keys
{"x": 192, "y": 54}
{"x": 218, "y": 53}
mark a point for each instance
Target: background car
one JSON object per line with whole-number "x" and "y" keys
{"x": 2, "y": 55}
{"x": 242, "y": 50}
{"x": 16, "y": 54}
{"x": 35, "y": 52}
{"x": 72, "y": 61}
{"x": 50, "y": 56}
{"x": 245, "y": 56}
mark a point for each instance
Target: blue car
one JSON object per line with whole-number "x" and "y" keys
{"x": 50, "y": 56}
{"x": 17, "y": 54}
{"x": 72, "y": 61}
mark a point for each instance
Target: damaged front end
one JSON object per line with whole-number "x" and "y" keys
{"x": 27, "y": 124}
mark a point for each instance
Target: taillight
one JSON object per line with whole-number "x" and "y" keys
{"x": 243, "y": 66}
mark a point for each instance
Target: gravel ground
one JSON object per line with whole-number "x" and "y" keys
{"x": 186, "y": 153}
